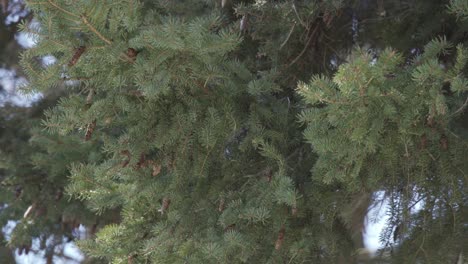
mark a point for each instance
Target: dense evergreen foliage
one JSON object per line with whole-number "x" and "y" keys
{"x": 243, "y": 131}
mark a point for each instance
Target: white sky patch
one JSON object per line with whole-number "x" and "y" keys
{"x": 48, "y": 60}
{"x": 16, "y": 11}
{"x": 32, "y": 256}
{"x": 28, "y": 40}
{"x": 417, "y": 206}
{"x": 8, "y": 228}
{"x": 10, "y": 83}
{"x": 71, "y": 253}
{"x": 25, "y": 40}
{"x": 376, "y": 220}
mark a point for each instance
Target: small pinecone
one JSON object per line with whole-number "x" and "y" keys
{"x": 444, "y": 142}
{"x": 430, "y": 121}
{"x": 58, "y": 195}
{"x": 156, "y": 169}
{"x": 127, "y": 154}
{"x": 18, "y": 191}
{"x": 327, "y": 19}
{"x": 279, "y": 241}
{"x": 423, "y": 143}
{"x": 89, "y": 98}
{"x": 40, "y": 211}
{"x": 221, "y": 205}
{"x": 93, "y": 229}
{"x": 132, "y": 54}
{"x": 230, "y": 227}
{"x": 294, "y": 211}
{"x": 268, "y": 175}
{"x": 142, "y": 161}
{"x": 244, "y": 23}
{"x": 165, "y": 205}
{"x": 26, "y": 249}
{"x": 76, "y": 55}
{"x": 90, "y": 130}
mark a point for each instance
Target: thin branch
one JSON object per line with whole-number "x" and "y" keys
{"x": 94, "y": 30}
{"x": 298, "y": 17}
{"x": 415, "y": 203}
{"x": 421, "y": 247}
{"x": 84, "y": 19}
{"x": 204, "y": 161}
{"x": 305, "y": 47}
{"x": 61, "y": 9}
{"x": 461, "y": 107}
{"x": 430, "y": 155}
{"x": 289, "y": 35}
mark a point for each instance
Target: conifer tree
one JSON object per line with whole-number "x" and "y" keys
{"x": 368, "y": 136}
{"x": 179, "y": 126}
{"x": 12, "y": 13}
{"x": 33, "y": 177}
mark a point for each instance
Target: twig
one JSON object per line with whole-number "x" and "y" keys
{"x": 415, "y": 203}
{"x": 430, "y": 155}
{"x": 84, "y": 19}
{"x": 421, "y": 247}
{"x": 204, "y": 161}
{"x": 86, "y": 22}
{"x": 61, "y": 9}
{"x": 461, "y": 107}
{"x": 298, "y": 17}
{"x": 305, "y": 47}
{"x": 289, "y": 35}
